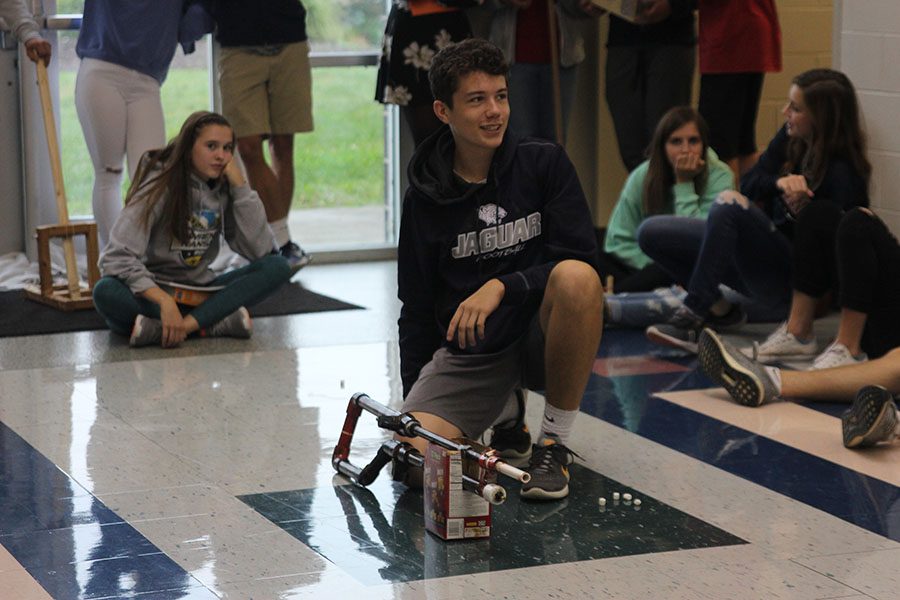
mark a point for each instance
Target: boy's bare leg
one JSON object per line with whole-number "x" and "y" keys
{"x": 842, "y": 383}
{"x": 260, "y": 175}
{"x": 572, "y": 320}
{"x": 282, "y": 150}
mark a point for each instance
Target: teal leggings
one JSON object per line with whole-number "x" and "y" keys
{"x": 243, "y": 287}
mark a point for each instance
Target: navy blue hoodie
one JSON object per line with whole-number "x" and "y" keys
{"x": 454, "y": 237}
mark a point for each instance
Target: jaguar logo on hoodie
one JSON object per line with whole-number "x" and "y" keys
{"x": 497, "y": 236}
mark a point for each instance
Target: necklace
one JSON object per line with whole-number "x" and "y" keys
{"x": 469, "y": 180}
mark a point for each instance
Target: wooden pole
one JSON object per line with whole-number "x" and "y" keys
{"x": 554, "y": 70}
{"x": 56, "y": 168}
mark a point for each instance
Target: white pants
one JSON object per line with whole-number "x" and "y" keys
{"x": 121, "y": 116}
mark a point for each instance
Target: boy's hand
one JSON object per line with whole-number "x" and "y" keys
{"x": 467, "y": 324}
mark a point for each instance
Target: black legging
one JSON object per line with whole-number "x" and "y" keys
{"x": 815, "y": 266}
{"x": 868, "y": 262}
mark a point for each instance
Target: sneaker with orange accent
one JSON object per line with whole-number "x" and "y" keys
{"x": 549, "y": 470}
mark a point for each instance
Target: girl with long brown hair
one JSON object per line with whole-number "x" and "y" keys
{"x": 775, "y": 242}
{"x": 184, "y": 198}
{"x": 681, "y": 177}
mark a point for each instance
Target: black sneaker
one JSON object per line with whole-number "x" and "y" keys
{"x": 513, "y": 442}
{"x": 871, "y": 419}
{"x": 549, "y": 470}
{"x": 744, "y": 379}
{"x": 296, "y": 256}
{"x": 681, "y": 331}
{"x": 733, "y": 319}
{"x": 237, "y": 325}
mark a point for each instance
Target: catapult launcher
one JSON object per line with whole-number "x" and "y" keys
{"x": 480, "y": 465}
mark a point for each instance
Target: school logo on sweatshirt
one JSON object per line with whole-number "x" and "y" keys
{"x": 498, "y": 238}
{"x": 203, "y": 226}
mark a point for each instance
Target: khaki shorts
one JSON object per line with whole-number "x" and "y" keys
{"x": 471, "y": 390}
{"x": 267, "y": 94}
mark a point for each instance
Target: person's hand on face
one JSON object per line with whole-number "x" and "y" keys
{"x": 234, "y": 174}
{"x": 687, "y": 166}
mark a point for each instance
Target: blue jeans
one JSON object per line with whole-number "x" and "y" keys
{"x": 736, "y": 247}
{"x": 243, "y": 287}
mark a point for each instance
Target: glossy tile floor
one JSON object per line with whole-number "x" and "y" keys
{"x": 204, "y": 472}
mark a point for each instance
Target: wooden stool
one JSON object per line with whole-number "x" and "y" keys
{"x": 60, "y": 296}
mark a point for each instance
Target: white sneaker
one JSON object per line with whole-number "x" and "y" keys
{"x": 781, "y": 345}
{"x": 836, "y": 355}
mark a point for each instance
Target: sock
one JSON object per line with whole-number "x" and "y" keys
{"x": 556, "y": 424}
{"x": 281, "y": 231}
{"x": 774, "y": 374}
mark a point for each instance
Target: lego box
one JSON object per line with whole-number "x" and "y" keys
{"x": 627, "y": 9}
{"x": 451, "y": 512}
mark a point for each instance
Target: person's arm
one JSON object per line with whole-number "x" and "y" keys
{"x": 246, "y": 228}
{"x": 566, "y": 227}
{"x": 419, "y": 334}
{"x": 196, "y": 21}
{"x": 21, "y": 22}
{"x": 688, "y": 203}
{"x": 621, "y": 231}
{"x": 129, "y": 239}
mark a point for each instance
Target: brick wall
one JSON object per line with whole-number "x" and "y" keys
{"x": 867, "y": 36}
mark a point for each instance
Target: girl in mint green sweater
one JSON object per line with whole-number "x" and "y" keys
{"x": 682, "y": 177}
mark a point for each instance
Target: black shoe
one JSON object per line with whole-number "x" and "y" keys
{"x": 513, "y": 442}
{"x": 871, "y": 419}
{"x": 296, "y": 256}
{"x": 682, "y": 330}
{"x": 549, "y": 470}
{"x": 733, "y": 319}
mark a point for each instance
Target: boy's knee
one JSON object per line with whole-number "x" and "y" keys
{"x": 577, "y": 278}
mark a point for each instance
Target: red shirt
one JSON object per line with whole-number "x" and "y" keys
{"x": 533, "y": 34}
{"x": 739, "y": 36}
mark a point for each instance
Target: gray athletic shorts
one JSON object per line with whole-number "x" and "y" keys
{"x": 471, "y": 390}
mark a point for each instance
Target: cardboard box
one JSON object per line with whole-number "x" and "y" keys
{"x": 627, "y": 9}
{"x": 451, "y": 512}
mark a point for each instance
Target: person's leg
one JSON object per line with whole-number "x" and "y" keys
{"x": 868, "y": 258}
{"x": 281, "y": 147}
{"x": 668, "y": 77}
{"x": 119, "y": 307}
{"x": 841, "y": 383}
{"x": 102, "y": 113}
{"x": 814, "y": 263}
{"x": 260, "y": 175}
{"x": 571, "y": 318}
{"x": 527, "y": 101}
{"x": 243, "y": 287}
{"x": 673, "y": 243}
{"x": 625, "y": 97}
{"x": 743, "y": 250}
{"x": 146, "y": 128}
{"x": 747, "y": 150}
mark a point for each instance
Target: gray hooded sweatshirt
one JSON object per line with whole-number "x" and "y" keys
{"x": 141, "y": 254}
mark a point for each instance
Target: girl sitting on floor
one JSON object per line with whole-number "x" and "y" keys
{"x": 775, "y": 243}
{"x": 183, "y": 198}
{"x": 682, "y": 177}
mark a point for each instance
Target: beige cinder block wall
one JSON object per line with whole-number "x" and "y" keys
{"x": 867, "y": 48}
{"x": 807, "y": 40}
